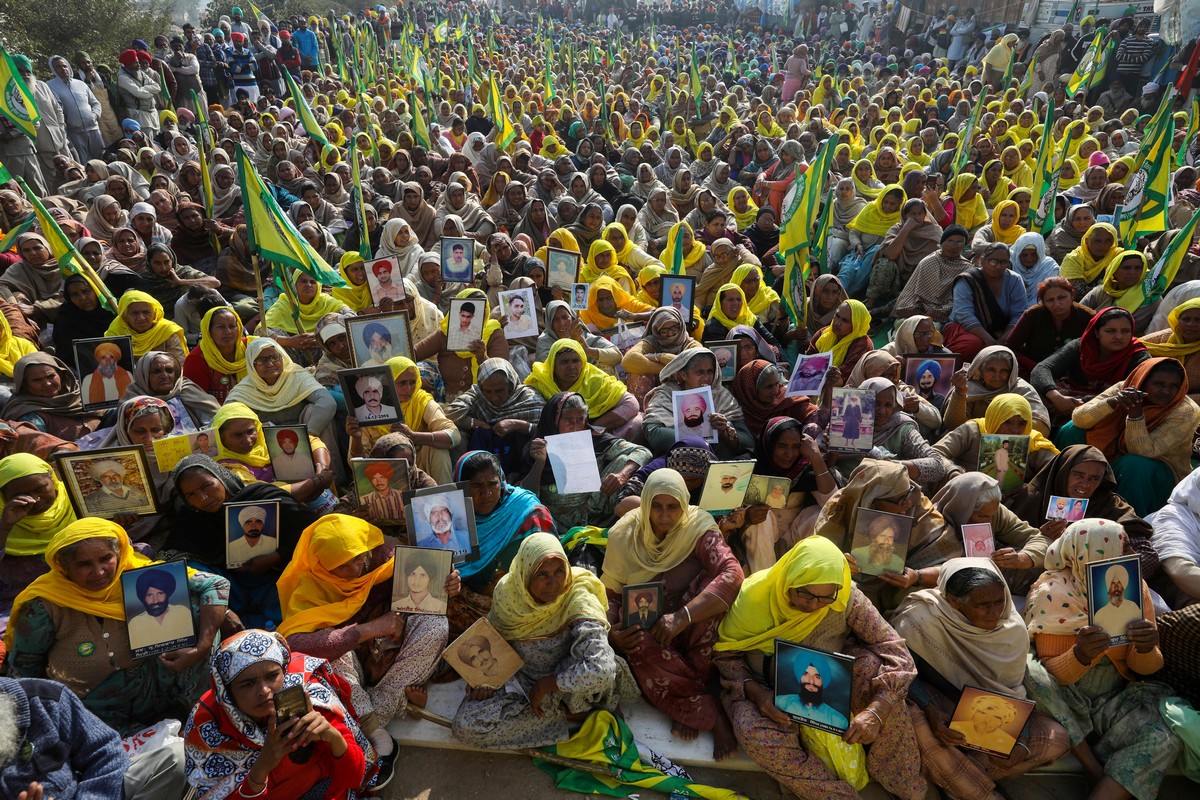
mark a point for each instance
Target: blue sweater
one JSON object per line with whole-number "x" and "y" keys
{"x": 67, "y": 748}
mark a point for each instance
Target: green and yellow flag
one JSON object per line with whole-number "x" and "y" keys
{"x": 1162, "y": 274}
{"x": 356, "y": 201}
{"x": 1148, "y": 188}
{"x": 1045, "y": 180}
{"x": 697, "y": 88}
{"x": 304, "y": 112}
{"x": 963, "y": 151}
{"x": 548, "y": 75}
{"x": 16, "y": 101}
{"x": 272, "y": 234}
{"x": 259, "y": 14}
{"x": 1093, "y": 66}
{"x": 1193, "y": 128}
{"x": 505, "y": 132}
{"x": 796, "y": 235}
{"x": 70, "y": 261}
{"x": 420, "y": 128}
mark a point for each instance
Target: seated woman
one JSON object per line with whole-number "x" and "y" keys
{"x": 497, "y": 414}
{"x": 1044, "y": 328}
{"x": 1176, "y": 538}
{"x": 729, "y": 311}
{"x": 693, "y": 369}
{"x": 867, "y": 232}
{"x": 555, "y": 617}
{"x": 759, "y": 388}
{"x": 566, "y": 369}
{"x": 666, "y": 337}
{"x": 826, "y": 298}
{"x": 808, "y": 598}
{"x": 670, "y": 540}
{"x": 967, "y": 632}
{"x": 1007, "y": 414}
{"x": 1068, "y": 234}
{"x": 46, "y": 396}
{"x": 1084, "y": 265}
{"x": 460, "y": 368}
{"x": 336, "y": 595}
{"x": 64, "y": 614}
{"x": 906, "y": 243}
{"x": 991, "y": 373}
{"x": 219, "y": 361}
{"x": 157, "y": 374}
{"x": 36, "y": 506}
{"x": 1123, "y": 277}
{"x": 1144, "y": 425}
{"x": 974, "y": 498}
{"x": 1181, "y": 341}
{"x": 292, "y": 323}
{"x": 763, "y": 301}
{"x": 602, "y": 261}
{"x": 629, "y": 255}
{"x": 846, "y": 336}
{"x": 242, "y": 449}
{"x": 563, "y": 323}
{"x": 608, "y": 304}
{"x": 899, "y": 435}
{"x": 886, "y": 486}
{"x": 1087, "y": 685}
{"x": 617, "y": 460}
{"x": 140, "y": 317}
{"x": 917, "y": 335}
{"x": 80, "y": 317}
{"x": 988, "y": 299}
{"x": 235, "y": 747}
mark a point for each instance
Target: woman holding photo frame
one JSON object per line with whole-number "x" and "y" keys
{"x": 692, "y": 369}
{"x": 460, "y": 368}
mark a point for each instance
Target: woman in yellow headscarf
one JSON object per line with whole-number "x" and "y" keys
{"x": 1015, "y": 168}
{"x": 729, "y": 309}
{"x": 808, "y": 598}
{"x": 459, "y": 367}
{"x": 312, "y": 304}
{"x": 744, "y": 211}
{"x": 629, "y": 255}
{"x": 763, "y": 301}
{"x": 566, "y": 369}
{"x": 880, "y": 214}
{"x": 552, "y": 148}
{"x": 65, "y": 612}
{"x": 1084, "y": 265}
{"x": 1007, "y": 413}
{"x": 866, "y": 185}
{"x": 356, "y": 296}
{"x": 1180, "y": 340}
{"x": 602, "y": 262}
{"x": 555, "y": 616}
{"x": 242, "y": 449}
{"x": 1003, "y": 227}
{"x": 695, "y": 257}
{"x": 650, "y": 293}
{"x": 845, "y": 336}
{"x": 609, "y": 303}
{"x": 340, "y": 579}
{"x": 33, "y": 507}
{"x": 140, "y": 317}
{"x": 964, "y": 203}
{"x": 219, "y": 361}
{"x": 1122, "y": 286}
{"x": 767, "y": 126}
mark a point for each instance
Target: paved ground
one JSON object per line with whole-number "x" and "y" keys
{"x": 427, "y": 774}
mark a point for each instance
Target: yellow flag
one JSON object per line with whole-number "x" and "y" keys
{"x": 16, "y": 101}
{"x": 70, "y": 260}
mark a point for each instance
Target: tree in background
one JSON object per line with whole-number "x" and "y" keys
{"x": 101, "y": 27}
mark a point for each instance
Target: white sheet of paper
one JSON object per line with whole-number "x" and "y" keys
{"x": 573, "y": 460}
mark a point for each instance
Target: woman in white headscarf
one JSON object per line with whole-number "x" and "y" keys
{"x": 398, "y": 241}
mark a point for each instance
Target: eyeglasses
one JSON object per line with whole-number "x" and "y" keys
{"x": 908, "y": 498}
{"x": 668, "y": 330}
{"x": 819, "y": 598}
{"x": 922, "y": 334}
{"x": 997, "y": 260}
{"x": 262, "y": 361}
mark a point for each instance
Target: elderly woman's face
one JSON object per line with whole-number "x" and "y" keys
{"x": 93, "y": 565}
{"x": 268, "y": 365}
{"x": 139, "y": 317}
{"x": 983, "y": 607}
{"x": 163, "y": 374}
{"x": 239, "y": 435}
{"x": 38, "y": 488}
{"x": 146, "y": 428}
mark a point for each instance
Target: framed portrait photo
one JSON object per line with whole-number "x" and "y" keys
{"x": 1005, "y": 458}
{"x": 579, "y": 296}
{"x": 251, "y": 530}
{"x": 725, "y": 485}
{"x": 109, "y": 482}
{"x": 170, "y": 450}
{"x": 443, "y": 517}
{"x": 562, "y": 268}
{"x": 768, "y": 490}
{"x": 813, "y": 686}
{"x": 642, "y": 604}
{"x": 977, "y": 540}
{"x": 291, "y": 452}
{"x": 482, "y": 657}
{"x": 465, "y": 322}
{"x": 1115, "y": 595}
{"x": 726, "y": 353}
{"x": 693, "y": 410}
{"x": 380, "y": 484}
{"x": 880, "y": 541}
{"x": 419, "y": 580}
{"x": 158, "y": 611}
{"x": 458, "y": 260}
{"x": 105, "y": 366}
{"x": 932, "y": 375}
{"x": 378, "y": 337}
{"x": 517, "y": 307}
{"x": 852, "y": 421}
{"x": 371, "y": 395}
{"x": 808, "y": 376}
{"x": 679, "y": 292}
{"x": 384, "y": 280}
{"x": 989, "y": 721}
{"x": 1071, "y": 509}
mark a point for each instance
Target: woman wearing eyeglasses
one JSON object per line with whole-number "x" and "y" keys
{"x": 988, "y": 301}
{"x": 809, "y": 598}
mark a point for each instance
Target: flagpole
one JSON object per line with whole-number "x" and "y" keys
{"x": 262, "y": 303}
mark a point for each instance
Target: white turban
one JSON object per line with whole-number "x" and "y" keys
{"x": 252, "y": 512}
{"x": 100, "y": 468}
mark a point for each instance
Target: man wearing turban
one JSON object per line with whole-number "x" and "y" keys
{"x": 161, "y": 621}
{"x": 113, "y": 496}
{"x": 107, "y": 382}
{"x": 1115, "y": 612}
{"x": 289, "y": 462}
{"x": 384, "y": 504}
{"x": 439, "y": 531}
{"x": 250, "y": 538}
{"x": 370, "y": 389}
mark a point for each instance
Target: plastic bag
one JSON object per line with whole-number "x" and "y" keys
{"x": 847, "y": 761}
{"x": 160, "y": 734}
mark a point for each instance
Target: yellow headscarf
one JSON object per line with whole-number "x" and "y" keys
{"x": 644, "y": 276}
{"x": 745, "y": 316}
{"x": 873, "y": 219}
{"x": 1003, "y": 184}
{"x": 1110, "y": 278}
{"x": 490, "y": 327}
{"x": 593, "y": 316}
{"x": 356, "y": 297}
{"x": 212, "y": 353}
{"x": 626, "y": 249}
{"x": 279, "y": 315}
{"x": 600, "y": 390}
{"x": 12, "y": 348}
{"x": 519, "y": 617}
{"x": 258, "y": 455}
{"x": 552, "y": 148}
{"x": 862, "y": 188}
{"x": 744, "y": 219}
{"x": 313, "y": 597}
{"x": 1172, "y": 347}
{"x": 828, "y": 342}
{"x": 1079, "y": 264}
{"x": 763, "y": 612}
{"x": 414, "y": 409}
{"x": 591, "y": 272}
{"x": 159, "y": 332}
{"x": 764, "y": 298}
{"x": 561, "y": 238}
{"x": 60, "y": 590}
{"x": 1004, "y": 407}
{"x": 30, "y": 536}
{"x": 690, "y": 257}
{"x": 973, "y": 213}
{"x": 1006, "y": 235}
{"x": 1021, "y": 174}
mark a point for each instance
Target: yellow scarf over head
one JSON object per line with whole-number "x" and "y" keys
{"x": 1004, "y": 407}
{"x": 763, "y": 611}
{"x": 33, "y": 532}
{"x": 764, "y": 298}
{"x": 745, "y": 218}
{"x": 600, "y": 390}
{"x": 828, "y": 342}
{"x": 1173, "y": 347}
{"x": 279, "y": 315}
{"x": 12, "y": 348}
{"x": 860, "y": 186}
{"x": 1112, "y": 288}
{"x": 212, "y": 353}
{"x": 1080, "y": 265}
{"x": 972, "y": 213}
{"x": 1006, "y": 235}
{"x": 624, "y": 300}
{"x": 745, "y": 316}
{"x": 356, "y": 296}
{"x": 313, "y": 597}
{"x": 690, "y": 257}
{"x": 626, "y": 248}
{"x": 873, "y": 219}
{"x": 591, "y": 271}
{"x": 258, "y": 455}
{"x": 414, "y": 409}
{"x": 519, "y": 617}
{"x": 160, "y": 329}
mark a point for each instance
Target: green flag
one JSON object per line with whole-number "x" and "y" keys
{"x": 963, "y": 152}
{"x": 1045, "y": 181}
{"x": 356, "y": 200}
{"x": 304, "y": 112}
{"x": 1148, "y": 188}
{"x": 16, "y": 101}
